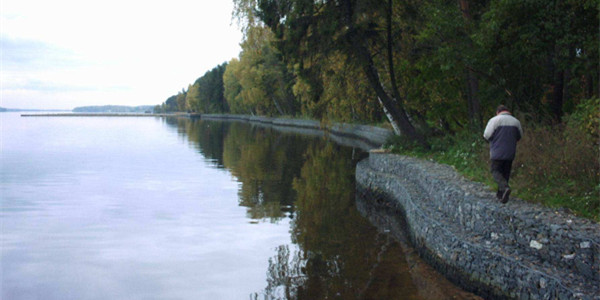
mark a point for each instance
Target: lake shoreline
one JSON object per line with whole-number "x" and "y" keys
{"x": 514, "y": 251}
{"x": 365, "y": 137}
{"x": 517, "y": 250}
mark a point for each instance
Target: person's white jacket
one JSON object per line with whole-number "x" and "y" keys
{"x": 503, "y": 131}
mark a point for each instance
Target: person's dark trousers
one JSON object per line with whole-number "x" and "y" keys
{"x": 501, "y": 173}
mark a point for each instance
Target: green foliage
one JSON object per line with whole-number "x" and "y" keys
{"x": 181, "y": 101}
{"x": 312, "y": 34}
{"x": 440, "y": 65}
{"x": 206, "y": 95}
{"x": 259, "y": 82}
{"x": 436, "y": 67}
{"x": 543, "y": 54}
{"x": 170, "y": 105}
{"x": 344, "y": 94}
{"x": 233, "y": 88}
{"x": 557, "y": 165}
{"x": 586, "y": 118}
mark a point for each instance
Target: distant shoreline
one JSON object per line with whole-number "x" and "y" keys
{"x": 106, "y": 115}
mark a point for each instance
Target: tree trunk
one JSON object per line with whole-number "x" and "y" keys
{"x": 277, "y": 107}
{"x": 392, "y": 108}
{"x": 473, "y": 99}
{"x": 589, "y": 85}
{"x": 391, "y": 105}
{"x": 472, "y": 80}
{"x": 390, "y": 118}
{"x": 557, "y": 80}
{"x": 557, "y": 95}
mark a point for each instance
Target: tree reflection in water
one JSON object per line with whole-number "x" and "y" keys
{"x": 339, "y": 254}
{"x": 335, "y": 252}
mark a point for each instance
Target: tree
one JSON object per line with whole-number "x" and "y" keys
{"x": 260, "y": 82}
{"x": 206, "y": 95}
{"x": 181, "y": 102}
{"x": 193, "y": 97}
{"x": 233, "y": 88}
{"x": 543, "y": 53}
{"x": 306, "y": 28}
{"x": 344, "y": 93}
{"x": 170, "y": 105}
{"x": 433, "y": 66}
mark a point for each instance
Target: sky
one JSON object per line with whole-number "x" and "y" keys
{"x": 61, "y": 54}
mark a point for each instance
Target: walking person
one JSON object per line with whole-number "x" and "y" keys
{"x": 502, "y": 132}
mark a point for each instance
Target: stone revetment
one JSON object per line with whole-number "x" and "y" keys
{"x": 516, "y": 250}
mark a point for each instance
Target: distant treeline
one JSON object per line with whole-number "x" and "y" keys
{"x": 115, "y": 109}
{"x": 426, "y": 67}
{"x": 204, "y": 96}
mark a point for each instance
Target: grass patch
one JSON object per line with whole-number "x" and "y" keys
{"x": 556, "y": 166}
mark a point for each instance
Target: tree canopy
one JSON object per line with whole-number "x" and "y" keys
{"x": 205, "y": 95}
{"x": 427, "y": 66}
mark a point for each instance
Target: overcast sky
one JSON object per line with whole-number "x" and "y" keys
{"x": 61, "y": 54}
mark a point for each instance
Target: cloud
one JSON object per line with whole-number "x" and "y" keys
{"x": 23, "y": 54}
{"x": 29, "y": 65}
{"x": 50, "y": 87}
{"x": 70, "y": 51}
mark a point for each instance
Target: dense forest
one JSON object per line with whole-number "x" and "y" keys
{"x": 425, "y": 68}
{"x": 204, "y": 96}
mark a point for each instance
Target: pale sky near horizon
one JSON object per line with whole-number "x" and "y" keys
{"x": 62, "y": 54}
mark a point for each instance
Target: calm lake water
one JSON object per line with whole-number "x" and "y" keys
{"x": 155, "y": 208}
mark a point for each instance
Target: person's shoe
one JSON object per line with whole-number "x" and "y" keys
{"x": 505, "y": 195}
{"x": 499, "y": 195}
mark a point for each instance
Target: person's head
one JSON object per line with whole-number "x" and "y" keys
{"x": 501, "y": 108}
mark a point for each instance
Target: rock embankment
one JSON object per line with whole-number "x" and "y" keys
{"x": 370, "y": 136}
{"x": 516, "y": 250}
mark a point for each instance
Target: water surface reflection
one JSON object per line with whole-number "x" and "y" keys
{"x": 145, "y": 208}
{"x": 336, "y": 253}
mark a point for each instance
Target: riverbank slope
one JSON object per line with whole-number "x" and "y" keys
{"x": 513, "y": 251}
{"x": 362, "y": 136}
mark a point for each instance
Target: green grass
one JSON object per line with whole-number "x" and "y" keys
{"x": 555, "y": 167}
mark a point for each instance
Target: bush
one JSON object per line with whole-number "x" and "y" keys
{"x": 557, "y": 166}
{"x": 586, "y": 118}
